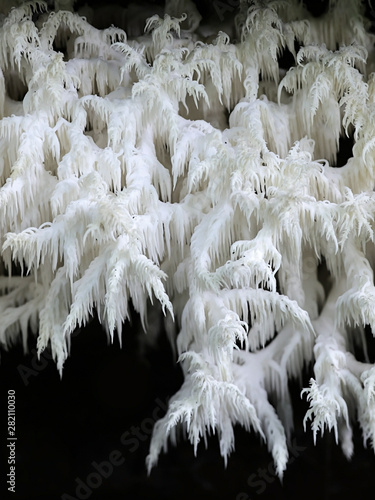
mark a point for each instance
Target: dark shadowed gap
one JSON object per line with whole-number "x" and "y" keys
{"x": 286, "y": 58}
{"x": 61, "y": 47}
{"x": 345, "y": 151}
{"x": 317, "y": 7}
{"x": 364, "y": 345}
{"x": 15, "y": 88}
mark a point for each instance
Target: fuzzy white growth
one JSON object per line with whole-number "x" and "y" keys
{"x": 191, "y": 170}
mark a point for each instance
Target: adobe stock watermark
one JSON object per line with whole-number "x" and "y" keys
{"x": 259, "y": 480}
{"x": 103, "y": 470}
{"x": 136, "y": 434}
{"x": 94, "y": 479}
{"x": 38, "y": 363}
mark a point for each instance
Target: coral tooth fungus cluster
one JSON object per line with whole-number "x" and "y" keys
{"x": 183, "y": 170}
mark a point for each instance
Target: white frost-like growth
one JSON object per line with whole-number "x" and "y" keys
{"x": 190, "y": 173}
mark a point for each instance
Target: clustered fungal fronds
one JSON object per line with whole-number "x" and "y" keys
{"x": 194, "y": 176}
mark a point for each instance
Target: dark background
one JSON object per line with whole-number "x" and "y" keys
{"x": 64, "y": 426}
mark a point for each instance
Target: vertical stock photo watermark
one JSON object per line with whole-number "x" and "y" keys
{"x": 11, "y": 440}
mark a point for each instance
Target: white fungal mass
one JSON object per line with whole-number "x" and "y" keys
{"x": 183, "y": 170}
